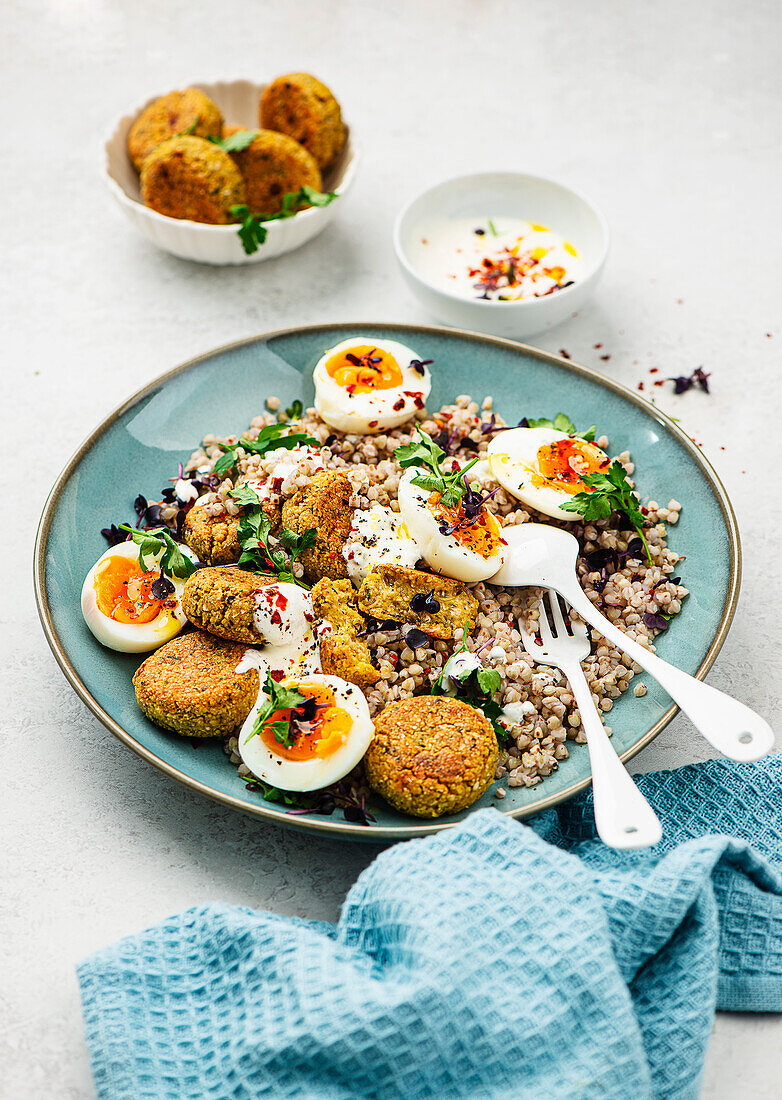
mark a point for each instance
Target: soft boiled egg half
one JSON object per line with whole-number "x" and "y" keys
{"x": 462, "y": 546}
{"x": 543, "y": 468}
{"x": 120, "y": 604}
{"x": 327, "y": 743}
{"x": 364, "y": 386}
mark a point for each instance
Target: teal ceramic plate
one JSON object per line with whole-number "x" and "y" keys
{"x": 138, "y": 446}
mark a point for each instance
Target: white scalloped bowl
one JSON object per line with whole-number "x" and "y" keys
{"x": 220, "y": 244}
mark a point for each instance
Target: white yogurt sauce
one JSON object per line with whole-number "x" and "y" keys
{"x": 513, "y": 714}
{"x": 377, "y": 535}
{"x": 457, "y": 668}
{"x": 500, "y": 259}
{"x": 284, "y": 618}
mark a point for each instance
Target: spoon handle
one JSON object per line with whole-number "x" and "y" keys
{"x": 623, "y": 817}
{"x": 730, "y": 726}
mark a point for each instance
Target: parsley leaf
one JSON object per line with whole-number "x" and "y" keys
{"x": 294, "y": 411}
{"x": 477, "y": 687}
{"x": 610, "y": 492}
{"x": 252, "y": 230}
{"x": 173, "y": 562}
{"x": 258, "y": 555}
{"x": 235, "y": 143}
{"x": 560, "y": 423}
{"x": 427, "y": 455}
{"x": 278, "y": 698}
{"x": 271, "y": 438}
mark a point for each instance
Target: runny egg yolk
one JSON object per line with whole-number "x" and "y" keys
{"x": 563, "y": 463}
{"x": 123, "y": 592}
{"x": 317, "y": 739}
{"x": 364, "y": 368}
{"x": 480, "y": 534}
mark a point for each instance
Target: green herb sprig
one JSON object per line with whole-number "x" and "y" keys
{"x": 235, "y": 143}
{"x": 426, "y": 454}
{"x": 271, "y": 438}
{"x": 258, "y": 556}
{"x": 562, "y": 423}
{"x": 476, "y": 687}
{"x": 252, "y": 226}
{"x": 173, "y": 562}
{"x": 277, "y": 698}
{"x": 610, "y": 493}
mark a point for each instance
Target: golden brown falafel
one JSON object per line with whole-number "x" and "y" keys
{"x": 272, "y": 165}
{"x": 323, "y": 504}
{"x": 189, "y": 178}
{"x": 215, "y": 539}
{"x": 431, "y": 755}
{"x": 223, "y": 601}
{"x": 389, "y": 592}
{"x": 170, "y": 115}
{"x": 342, "y": 652}
{"x": 191, "y": 686}
{"x": 298, "y": 104}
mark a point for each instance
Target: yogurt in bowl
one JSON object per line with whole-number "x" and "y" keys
{"x": 501, "y": 252}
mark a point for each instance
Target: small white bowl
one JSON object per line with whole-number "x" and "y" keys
{"x": 220, "y": 244}
{"x": 514, "y": 195}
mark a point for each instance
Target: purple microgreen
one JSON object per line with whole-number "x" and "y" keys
{"x": 425, "y": 603}
{"x": 114, "y": 535}
{"x": 699, "y": 377}
{"x": 162, "y": 587}
{"x": 416, "y": 638}
{"x": 655, "y": 621}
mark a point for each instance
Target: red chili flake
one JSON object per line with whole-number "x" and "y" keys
{"x": 598, "y": 346}
{"x": 722, "y": 448}
{"x": 424, "y": 240}
{"x": 604, "y": 357}
{"x": 654, "y": 370}
{"x": 372, "y": 423}
{"x": 768, "y": 335}
{"x": 276, "y": 618}
{"x": 640, "y": 386}
{"x": 277, "y": 675}
{"x": 564, "y": 354}
{"x": 659, "y": 382}
{"x": 399, "y": 404}
{"x": 538, "y": 641}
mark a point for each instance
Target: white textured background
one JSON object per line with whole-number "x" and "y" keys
{"x": 669, "y": 114}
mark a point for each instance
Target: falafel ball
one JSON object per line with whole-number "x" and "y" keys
{"x": 271, "y": 165}
{"x": 170, "y": 115}
{"x": 191, "y": 686}
{"x": 298, "y": 104}
{"x": 190, "y": 178}
{"x": 323, "y": 504}
{"x": 223, "y": 601}
{"x": 431, "y": 755}
{"x": 215, "y": 539}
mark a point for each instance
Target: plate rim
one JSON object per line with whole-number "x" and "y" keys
{"x": 337, "y": 829}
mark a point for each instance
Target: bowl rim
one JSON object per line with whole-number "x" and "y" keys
{"x": 489, "y": 304}
{"x": 346, "y": 829}
{"x": 127, "y": 200}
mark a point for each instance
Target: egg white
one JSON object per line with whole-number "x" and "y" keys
{"x": 133, "y": 637}
{"x": 310, "y": 775}
{"x": 443, "y": 553}
{"x": 513, "y": 456}
{"x": 362, "y": 413}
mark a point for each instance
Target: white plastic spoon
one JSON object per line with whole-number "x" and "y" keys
{"x": 545, "y": 557}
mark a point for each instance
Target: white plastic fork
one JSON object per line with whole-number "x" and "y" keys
{"x": 623, "y": 817}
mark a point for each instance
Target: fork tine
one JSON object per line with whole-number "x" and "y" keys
{"x": 556, "y": 611}
{"x": 545, "y": 626}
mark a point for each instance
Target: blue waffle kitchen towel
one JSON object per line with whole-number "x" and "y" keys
{"x": 493, "y": 960}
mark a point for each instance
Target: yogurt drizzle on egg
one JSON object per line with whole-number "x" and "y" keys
{"x": 284, "y": 617}
{"x": 498, "y": 259}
